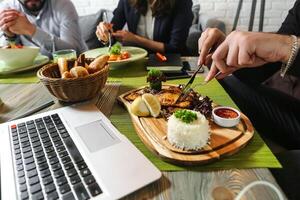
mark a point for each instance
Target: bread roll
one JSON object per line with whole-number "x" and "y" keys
{"x": 62, "y": 65}
{"x": 79, "y": 71}
{"x": 81, "y": 60}
{"x": 75, "y": 64}
{"x": 67, "y": 75}
{"x": 98, "y": 64}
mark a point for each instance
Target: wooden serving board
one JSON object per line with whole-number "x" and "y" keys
{"x": 224, "y": 141}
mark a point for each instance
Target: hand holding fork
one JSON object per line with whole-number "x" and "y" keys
{"x": 188, "y": 89}
{"x": 104, "y": 31}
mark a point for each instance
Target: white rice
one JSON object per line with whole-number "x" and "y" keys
{"x": 191, "y": 136}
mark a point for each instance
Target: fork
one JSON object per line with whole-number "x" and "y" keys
{"x": 186, "y": 93}
{"x": 187, "y": 87}
{"x": 105, "y": 19}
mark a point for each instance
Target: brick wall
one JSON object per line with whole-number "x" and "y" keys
{"x": 276, "y": 10}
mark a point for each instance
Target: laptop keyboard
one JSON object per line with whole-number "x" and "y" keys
{"x": 48, "y": 164}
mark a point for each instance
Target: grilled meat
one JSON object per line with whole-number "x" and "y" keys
{"x": 168, "y": 97}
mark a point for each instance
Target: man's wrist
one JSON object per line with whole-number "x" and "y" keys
{"x": 293, "y": 54}
{"x": 287, "y": 43}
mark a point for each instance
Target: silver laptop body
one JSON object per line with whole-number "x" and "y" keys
{"x": 117, "y": 166}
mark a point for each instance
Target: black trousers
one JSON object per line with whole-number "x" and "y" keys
{"x": 274, "y": 114}
{"x": 288, "y": 177}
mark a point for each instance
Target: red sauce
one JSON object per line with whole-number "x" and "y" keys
{"x": 226, "y": 113}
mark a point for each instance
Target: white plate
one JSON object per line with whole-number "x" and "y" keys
{"x": 135, "y": 54}
{"x": 39, "y": 61}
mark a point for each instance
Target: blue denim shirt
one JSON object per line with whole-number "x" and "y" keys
{"x": 57, "y": 27}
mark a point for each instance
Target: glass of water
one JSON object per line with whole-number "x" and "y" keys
{"x": 69, "y": 54}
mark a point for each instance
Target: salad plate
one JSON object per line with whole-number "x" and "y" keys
{"x": 135, "y": 53}
{"x": 39, "y": 61}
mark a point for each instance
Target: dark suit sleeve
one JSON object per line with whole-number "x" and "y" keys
{"x": 182, "y": 17}
{"x": 291, "y": 26}
{"x": 291, "y": 23}
{"x": 119, "y": 18}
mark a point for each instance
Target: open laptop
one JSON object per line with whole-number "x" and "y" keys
{"x": 70, "y": 153}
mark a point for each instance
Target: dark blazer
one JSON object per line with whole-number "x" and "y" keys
{"x": 291, "y": 26}
{"x": 170, "y": 29}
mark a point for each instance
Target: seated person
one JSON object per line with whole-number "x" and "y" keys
{"x": 51, "y": 25}
{"x": 267, "y": 89}
{"x": 265, "y": 85}
{"x": 156, "y": 25}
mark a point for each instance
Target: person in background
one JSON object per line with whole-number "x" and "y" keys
{"x": 156, "y": 25}
{"x": 266, "y": 75}
{"x": 49, "y": 24}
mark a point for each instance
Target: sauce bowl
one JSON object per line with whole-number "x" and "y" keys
{"x": 226, "y": 116}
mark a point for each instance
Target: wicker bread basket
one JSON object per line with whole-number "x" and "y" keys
{"x": 72, "y": 90}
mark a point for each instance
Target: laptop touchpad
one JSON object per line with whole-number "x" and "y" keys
{"x": 97, "y": 135}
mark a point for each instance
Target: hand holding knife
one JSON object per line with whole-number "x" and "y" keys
{"x": 187, "y": 88}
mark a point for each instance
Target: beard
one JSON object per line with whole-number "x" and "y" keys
{"x": 32, "y": 5}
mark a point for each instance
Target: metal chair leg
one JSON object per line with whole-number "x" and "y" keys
{"x": 237, "y": 15}
{"x": 262, "y": 15}
{"x": 252, "y": 15}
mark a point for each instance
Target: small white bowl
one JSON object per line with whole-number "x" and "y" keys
{"x": 18, "y": 58}
{"x": 226, "y": 122}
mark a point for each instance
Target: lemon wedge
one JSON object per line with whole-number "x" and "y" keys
{"x": 139, "y": 108}
{"x": 152, "y": 104}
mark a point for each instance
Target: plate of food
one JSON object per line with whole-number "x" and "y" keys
{"x": 39, "y": 61}
{"x": 119, "y": 54}
{"x": 186, "y": 131}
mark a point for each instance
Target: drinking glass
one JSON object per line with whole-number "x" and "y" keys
{"x": 69, "y": 54}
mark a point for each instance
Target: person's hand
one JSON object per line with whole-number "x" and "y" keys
{"x": 7, "y": 19}
{"x": 210, "y": 39}
{"x": 22, "y": 26}
{"x": 125, "y": 36}
{"x": 103, "y": 30}
{"x": 248, "y": 49}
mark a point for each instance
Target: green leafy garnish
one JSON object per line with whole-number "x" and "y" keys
{"x": 154, "y": 73}
{"x": 116, "y": 49}
{"x": 155, "y": 77}
{"x": 186, "y": 116}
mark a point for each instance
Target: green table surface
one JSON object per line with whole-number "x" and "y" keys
{"x": 255, "y": 155}
{"x": 20, "y": 78}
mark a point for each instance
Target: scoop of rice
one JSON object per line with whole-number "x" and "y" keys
{"x": 192, "y": 136}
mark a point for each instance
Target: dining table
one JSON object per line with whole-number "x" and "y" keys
{"x": 184, "y": 184}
